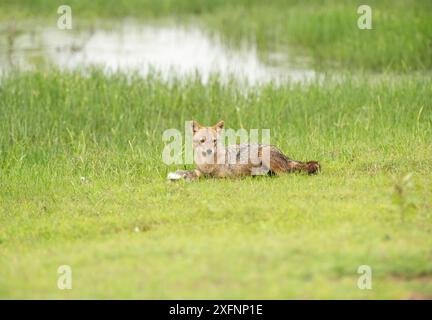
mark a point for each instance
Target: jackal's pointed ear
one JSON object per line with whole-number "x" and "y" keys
{"x": 219, "y": 125}
{"x": 195, "y": 126}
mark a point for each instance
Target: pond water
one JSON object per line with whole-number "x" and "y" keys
{"x": 169, "y": 50}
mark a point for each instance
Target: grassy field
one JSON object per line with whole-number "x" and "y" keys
{"x": 128, "y": 233}
{"x": 82, "y": 182}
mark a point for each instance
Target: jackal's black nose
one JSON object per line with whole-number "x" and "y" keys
{"x": 209, "y": 151}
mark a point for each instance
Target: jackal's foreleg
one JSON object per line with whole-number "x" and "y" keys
{"x": 188, "y": 175}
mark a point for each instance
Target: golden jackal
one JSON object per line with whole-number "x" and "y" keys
{"x": 213, "y": 159}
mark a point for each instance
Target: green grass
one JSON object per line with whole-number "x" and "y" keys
{"x": 325, "y": 31}
{"x": 128, "y": 233}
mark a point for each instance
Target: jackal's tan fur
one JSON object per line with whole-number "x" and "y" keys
{"x": 237, "y": 160}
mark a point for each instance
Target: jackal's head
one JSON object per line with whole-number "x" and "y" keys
{"x": 206, "y": 141}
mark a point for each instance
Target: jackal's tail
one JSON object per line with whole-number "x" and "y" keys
{"x": 311, "y": 167}
{"x": 280, "y": 163}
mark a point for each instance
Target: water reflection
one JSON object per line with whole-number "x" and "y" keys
{"x": 169, "y": 50}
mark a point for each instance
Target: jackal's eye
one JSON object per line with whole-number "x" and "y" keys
{"x": 202, "y": 140}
